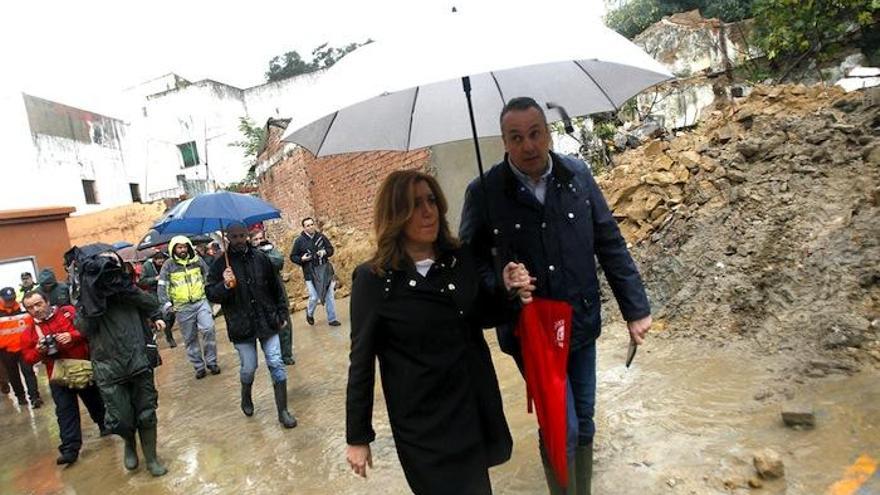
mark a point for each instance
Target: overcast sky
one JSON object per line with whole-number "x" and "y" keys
{"x": 83, "y": 53}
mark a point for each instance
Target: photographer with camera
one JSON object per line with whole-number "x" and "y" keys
{"x": 54, "y": 340}
{"x": 13, "y": 322}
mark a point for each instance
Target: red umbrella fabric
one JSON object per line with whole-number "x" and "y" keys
{"x": 544, "y": 331}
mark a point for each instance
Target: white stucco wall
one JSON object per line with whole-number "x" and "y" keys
{"x": 205, "y": 112}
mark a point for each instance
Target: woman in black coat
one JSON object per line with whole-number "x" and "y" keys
{"x": 417, "y": 306}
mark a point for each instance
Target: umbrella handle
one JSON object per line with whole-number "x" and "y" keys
{"x": 226, "y": 257}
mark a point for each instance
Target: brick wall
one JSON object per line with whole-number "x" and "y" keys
{"x": 339, "y": 189}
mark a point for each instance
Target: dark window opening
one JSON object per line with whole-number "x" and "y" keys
{"x": 135, "y": 192}
{"x": 189, "y": 153}
{"x": 89, "y": 191}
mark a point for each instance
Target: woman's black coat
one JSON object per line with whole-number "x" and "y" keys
{"x": 439, "y": 383}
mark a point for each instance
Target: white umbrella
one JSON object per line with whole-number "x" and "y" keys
{"x": 406, "y": 92}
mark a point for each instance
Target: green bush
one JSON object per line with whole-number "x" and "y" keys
{"x": 785, "y": 28}
{"x": 638, "y": 15}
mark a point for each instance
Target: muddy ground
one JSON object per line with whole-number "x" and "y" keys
{"x": 686, "y": 418}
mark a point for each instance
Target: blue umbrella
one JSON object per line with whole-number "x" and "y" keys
{"x": 215, "y": 211}
{"x": 121, "y": 244}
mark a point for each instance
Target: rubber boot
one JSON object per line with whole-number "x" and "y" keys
{"x": 553, "y": 486}
{"x": 130, "y": 455}
{"x": 247, "y": 402}
{"x": 284, "y": 416}
{"x": 583, "y": 464}
{"x": 148, "y": 445}
{"x": 169, "y": 337}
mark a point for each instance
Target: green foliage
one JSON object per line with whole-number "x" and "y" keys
{"x": 785, "y": 28}
{"x": 292, "y": 64}
{"x": 254, "y": 137}
{"x": 638, "y": 15}
{"x": 244, "y": 186}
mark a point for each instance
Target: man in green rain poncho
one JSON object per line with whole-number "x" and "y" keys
{"x": 112, "y": 313}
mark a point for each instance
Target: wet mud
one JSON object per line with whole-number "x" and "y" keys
{"x": 686, "y": 418}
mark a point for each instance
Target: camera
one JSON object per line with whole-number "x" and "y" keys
{"x": 49, "y": 343}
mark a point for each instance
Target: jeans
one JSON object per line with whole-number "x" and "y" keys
{"x": 196, "y": 319}
{"x": 67, "y": 414}
{"x": 329, "y": 301}
{"x": 581, "y": 396}
{"x": 247, "y": 354}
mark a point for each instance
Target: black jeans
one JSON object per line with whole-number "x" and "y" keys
{"x": 67, "y": 413}
{"x": 13, "y": 362}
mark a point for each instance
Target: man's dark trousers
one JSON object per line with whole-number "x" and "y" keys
{"x": 67, "y": 413}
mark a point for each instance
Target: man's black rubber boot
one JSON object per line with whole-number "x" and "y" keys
{"x": 148, "y": 445}
{"x": 247, "y": 402}
{"x": 284, "y": 416}
{"x": 130, "y": 455}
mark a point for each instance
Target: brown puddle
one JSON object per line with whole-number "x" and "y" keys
{"x": 683, "y": 419}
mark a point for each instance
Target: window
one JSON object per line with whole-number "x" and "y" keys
{"x": 135, "y": 192}
{"x": 89, "y": 191}
{"x": 190, "y": 153}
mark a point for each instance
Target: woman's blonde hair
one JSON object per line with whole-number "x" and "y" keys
{"x": 394, "y": 207}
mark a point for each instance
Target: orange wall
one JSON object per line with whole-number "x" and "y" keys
{"x": 46, "y": 239}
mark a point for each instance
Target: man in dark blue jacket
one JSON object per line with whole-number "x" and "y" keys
{"x": 546, "y": 211}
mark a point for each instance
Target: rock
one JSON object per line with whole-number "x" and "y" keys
{"x": 769, "y": 464}
{"x": 659, "y": 178}
{"x": 726, "y": 134}
{"x": 748, "y": 149}
{"x": 818, "y": 137}
{"x": 736, "y": 176}
{"x": 663, "y": 162}
{"x": 799, "y": 416}
{"x": 690, "y": 159}
{"x": 755, "y": 482}
{"x": 655, "y": 148}
{"x": 763, "y": 394}
{"x": 872, "y": 154}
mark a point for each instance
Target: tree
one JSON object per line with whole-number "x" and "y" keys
{"x": 291, "y": 63}
{"x": 791, "y": 28}
{"x": 254, "y": 138}
{"x": 637, "y": 15}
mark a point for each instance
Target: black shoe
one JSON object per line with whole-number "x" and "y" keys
{"x": 201, "y": 374}
{"x": 37, "y": 403}
{"x": 335, "y": 323}
{"x": 22, "y": 401}
{"x": 104, "y": 431}
{"x": 67, "y": 458}
{"x": 289, "y": 361}
{"x": 215, "y": 370}
{"x": 171, "y": 343}
{"x": 310, "y": 320}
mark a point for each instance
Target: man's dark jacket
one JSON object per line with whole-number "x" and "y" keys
{"x": 256, "y": 306}
{"x": 558, "y": 242}
{"x": 310, "y": 245}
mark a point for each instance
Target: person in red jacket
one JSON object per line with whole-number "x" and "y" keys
{"x": 58, "y": 321}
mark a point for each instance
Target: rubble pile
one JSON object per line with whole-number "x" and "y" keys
{"x": 764, "y": 222}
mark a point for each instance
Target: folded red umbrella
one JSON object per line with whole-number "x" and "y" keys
{"x": 544, "y": 331}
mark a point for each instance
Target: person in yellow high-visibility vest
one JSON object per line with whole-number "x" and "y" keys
{"x": 181, "y": 290}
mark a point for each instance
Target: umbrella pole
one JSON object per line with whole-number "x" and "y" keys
{"x": 496, "y": 256}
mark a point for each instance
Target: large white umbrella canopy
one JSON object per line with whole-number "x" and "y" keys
{"x": 405, "y": 91}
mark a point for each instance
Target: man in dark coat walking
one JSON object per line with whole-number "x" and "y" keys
{"x": 255, "y": 308}
{"x": 547, "y": 212}
{"x": 312, "y": 251}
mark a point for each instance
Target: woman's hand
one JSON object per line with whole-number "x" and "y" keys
{"x": 517, "y": 280}
{"x": 359, "y": 457}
